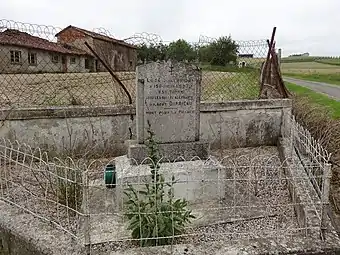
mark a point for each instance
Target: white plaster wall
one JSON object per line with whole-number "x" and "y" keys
{"x": 44, "y": 62}
{"x": 227, "y": 126}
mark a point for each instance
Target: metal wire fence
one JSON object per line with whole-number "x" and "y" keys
{"x": 243, "y": 194}
{"x": 49, "y": 66}
{"x": 48, "y": 188}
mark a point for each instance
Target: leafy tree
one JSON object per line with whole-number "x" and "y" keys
{"x": 221, "y": 52}
{"x": 152, "y": 52}
{"x": 181, "y": 50}
{"x": 205, "y": 53}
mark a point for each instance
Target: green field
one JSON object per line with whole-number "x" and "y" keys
{"x": 330, "y": 60}
{"x": 223, "y": 86}
{"x": 319, "y": 70}
{"x": 309, "y": 68}
{"x": 227, "y": 68}
{"x": 251, "y": 64}
{"x": 320, "y": 99}
{"x": 298, "y": 59}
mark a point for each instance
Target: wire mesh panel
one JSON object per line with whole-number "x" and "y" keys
{"x": 313, "y": 156}
{"x": 230, "y": 76}
{"x": 51, "y": 190}
{"x": 49, "y": 66}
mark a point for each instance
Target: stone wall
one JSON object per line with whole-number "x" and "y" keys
{"x": 224, "y": 125}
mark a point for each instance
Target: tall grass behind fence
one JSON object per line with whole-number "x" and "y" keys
{"x": 39, "y": 66}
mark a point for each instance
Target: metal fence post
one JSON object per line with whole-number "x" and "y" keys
{"x": 86, "y": 228}
{"x": 325, "y": 196}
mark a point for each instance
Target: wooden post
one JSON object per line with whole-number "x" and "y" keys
{"x": 279, "y": 52}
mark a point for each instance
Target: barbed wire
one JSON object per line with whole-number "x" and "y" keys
{"x": 144, "y": 38}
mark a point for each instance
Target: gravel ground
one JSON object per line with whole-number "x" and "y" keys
{"x": 256, "y": 208}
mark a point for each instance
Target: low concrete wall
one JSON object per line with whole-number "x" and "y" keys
{"x": 304, "y": 198}
{"x": 224, "y": 125}
{"x": 11, "y": 244}
{"x": 23, "y": 234}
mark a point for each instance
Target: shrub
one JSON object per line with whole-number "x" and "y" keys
{"x": 154, "y": 217}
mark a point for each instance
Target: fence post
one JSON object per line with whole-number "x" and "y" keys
{"x": 325, "y": 196}
{"x": 292, "y": 134}
{"x": 86, "y": 228}
{"x": 279, "y": 57}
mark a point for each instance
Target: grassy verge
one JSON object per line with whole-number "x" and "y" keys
{"x": 327, "y": 78}
{"x": 332, "y": 105}
{"x": 321, "y": 116}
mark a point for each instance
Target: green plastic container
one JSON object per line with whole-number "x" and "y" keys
{"x": 110, "y": 176}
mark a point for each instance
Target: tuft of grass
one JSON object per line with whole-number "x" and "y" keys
{"x": 69, "y": 188}
{"x": 327, "y": 78}
{"x": 319, "y": 99}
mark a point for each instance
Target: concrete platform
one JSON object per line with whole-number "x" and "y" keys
{"x": 196, "y": 181}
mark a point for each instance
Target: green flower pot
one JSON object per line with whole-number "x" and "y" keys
{"x": 110, "y": 176}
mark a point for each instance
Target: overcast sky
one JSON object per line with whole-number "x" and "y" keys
{"x": 302, "y": 25}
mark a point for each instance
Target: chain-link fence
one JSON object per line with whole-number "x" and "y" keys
{"x": 48, "y": 66}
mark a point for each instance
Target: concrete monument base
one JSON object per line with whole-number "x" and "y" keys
{"x": 196, "y": 181}
{"x": 169, "y": 152}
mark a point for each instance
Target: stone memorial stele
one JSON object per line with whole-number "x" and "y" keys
{"x": 168, "y": 97}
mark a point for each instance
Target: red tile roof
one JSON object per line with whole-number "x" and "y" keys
{"x": 98, "y": 36}
{"x": 18, "y": 38}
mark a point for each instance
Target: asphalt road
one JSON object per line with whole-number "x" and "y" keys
{"x": 326, "y": 88}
